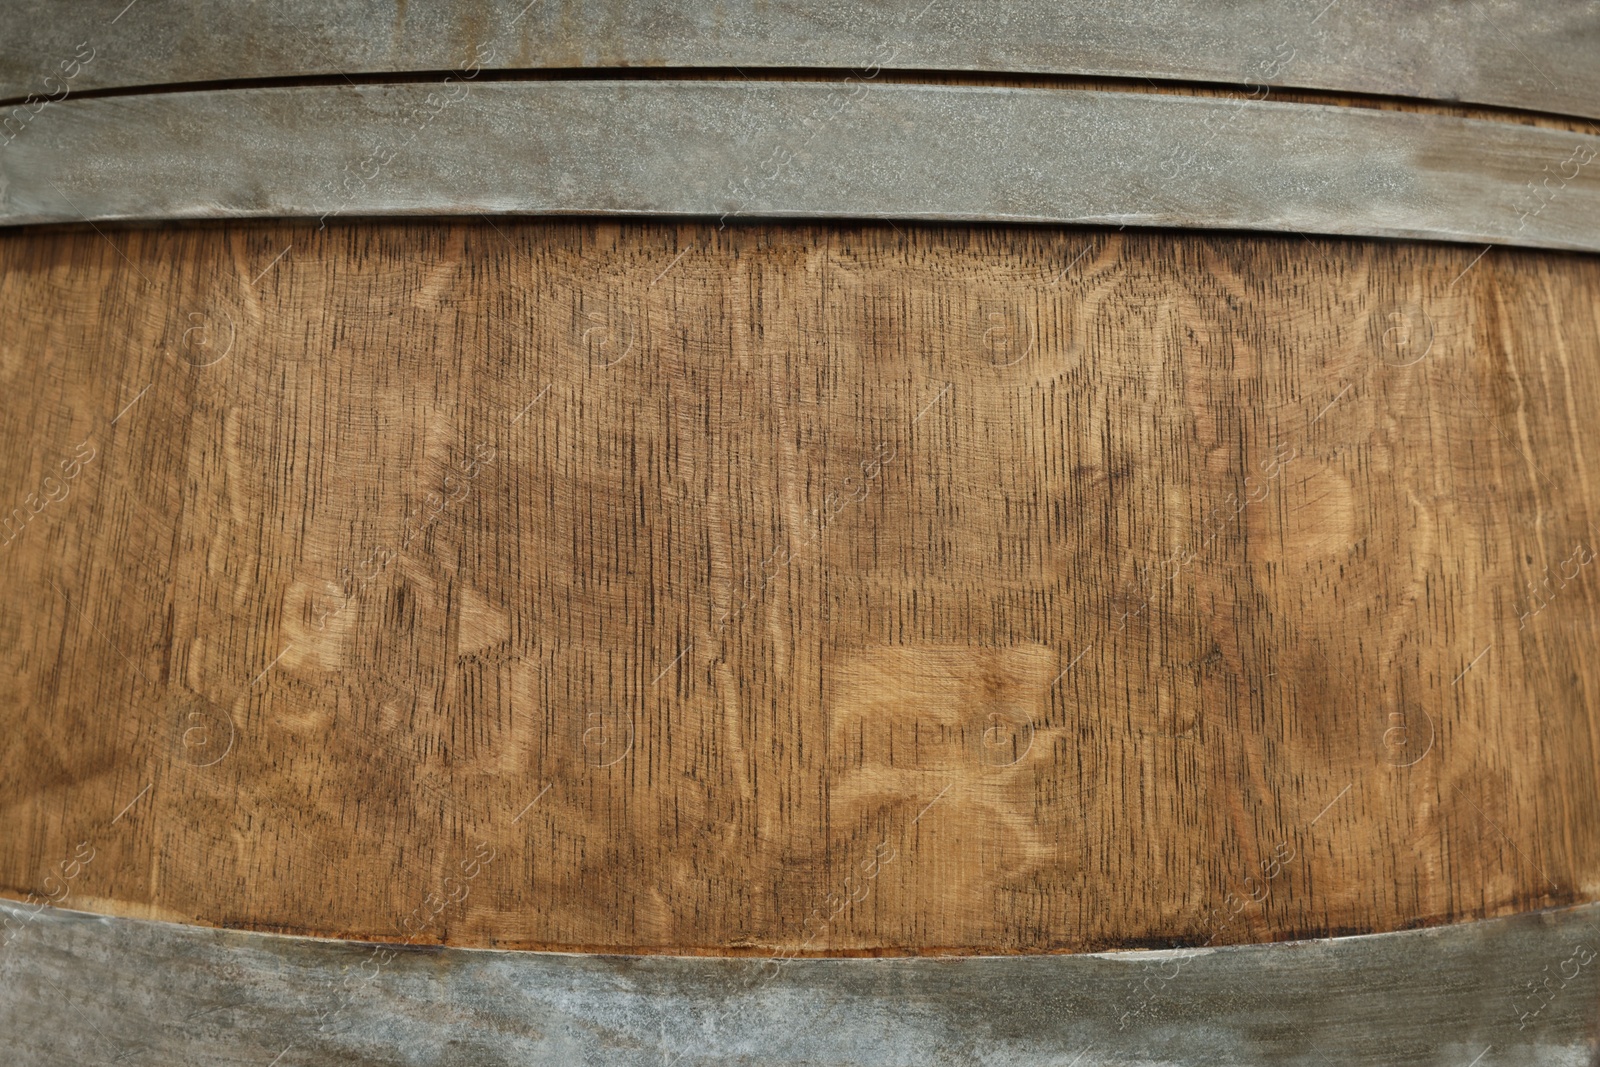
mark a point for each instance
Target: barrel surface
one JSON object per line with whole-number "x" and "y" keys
{"x": 846, "y": 589}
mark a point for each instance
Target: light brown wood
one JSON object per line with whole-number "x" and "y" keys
{"x": 828, "y": 589}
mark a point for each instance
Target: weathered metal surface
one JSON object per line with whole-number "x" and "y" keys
{"x": 1515, "y": 53}
{"x": 81, "y": 988}
{"x": 805, "y": 150}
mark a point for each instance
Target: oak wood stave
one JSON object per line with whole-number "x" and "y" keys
{"x": 1038, "y": 437}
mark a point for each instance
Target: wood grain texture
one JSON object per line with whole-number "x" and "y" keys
{"x": 816, "y": 589}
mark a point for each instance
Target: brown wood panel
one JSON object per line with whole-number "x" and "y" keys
{"x": 823, "y": 588}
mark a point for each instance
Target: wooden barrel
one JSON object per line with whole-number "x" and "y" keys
{"x": 903, "y": 541}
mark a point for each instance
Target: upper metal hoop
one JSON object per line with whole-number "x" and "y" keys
{"x": 1509, "y": 53}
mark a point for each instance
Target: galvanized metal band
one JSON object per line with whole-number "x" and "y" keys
{"x": 1513, "y": 53}
{"x": 804, "y": 150}
{"x": 81, "y": 988}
